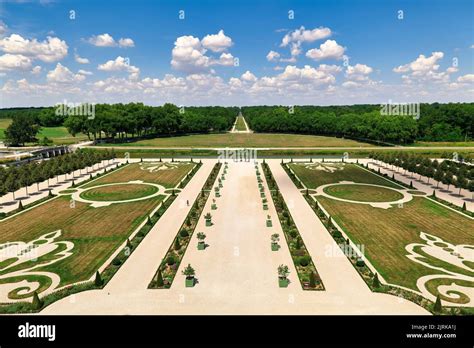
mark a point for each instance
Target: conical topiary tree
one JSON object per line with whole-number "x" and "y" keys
{"x": 177, "y": 245}
{"x": 20, "y": 205}
{"x": 148, "y": 222}
{"x": 437, "y": 308}
{"x": 37, "y": 303}
{"x": 159, "y": 279}
{"x": 98, "y": 279}
{"x": 376, "y": 281}
{"x": 129, "y": 244}
{"x": 464, "y": 206}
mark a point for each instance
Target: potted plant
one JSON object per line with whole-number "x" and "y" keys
{"x": 269, "y": 221}
{"x": 208, "y": 218}
{"x": 189, "y": 272}
{"x": 213, "y": 205}
{"x": 201, "y": 244}
{"x": 275, "y": 238}
{"x": 283, "y": 272}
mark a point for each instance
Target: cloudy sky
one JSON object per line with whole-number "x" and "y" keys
{"x": 236, "y": 53}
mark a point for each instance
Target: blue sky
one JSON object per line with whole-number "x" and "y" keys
{"x": 337, "y": 52}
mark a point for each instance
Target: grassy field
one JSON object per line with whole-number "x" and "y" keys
{"x": 144, "y": 171}
{"x": 384, "y": 233}
{"x": 59, "y": 135}
{"x": 363, "y": 193}
{"x": 118, "y": 192}
{"x": 335, "y": 172}
{"x": 95, "y": 232}
{"x": 240, "y": 125}
{"x": 445, "y": 143}
{"x": 246, "y": 140}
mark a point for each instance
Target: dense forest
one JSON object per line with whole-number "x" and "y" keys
{"x": 119, "y": 122}
{"x": 437, "y": 122}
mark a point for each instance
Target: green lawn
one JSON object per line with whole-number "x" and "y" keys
{"x": 146, "y": 172}
{"x": 329, "y": 173}
{"x": 240, "y": 125}
{"x": 363, "y": 193}
{"x": 118, "y": 192}
{"x": 445, "y": 143}
{"x": 246, "y": 140}
{"x": 384, "y": 233}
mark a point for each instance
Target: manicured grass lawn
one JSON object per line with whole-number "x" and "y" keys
{"x": 95, "y": 232}
{"x": 168, "y": 178}
{"x": 240, "y": 125}
{"x": 118, "y": 192}
{"x": 363, "y": 193}
{"x": 335, "y": 172}
{"x": 246, "y": 140}
{"x": 384, "y": 233}
{"x": 445, "y": 143}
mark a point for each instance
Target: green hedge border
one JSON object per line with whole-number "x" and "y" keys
{"x": 287, "y": 225}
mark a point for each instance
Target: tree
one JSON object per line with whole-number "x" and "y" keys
{"x": 177, "y": 245}
{"x": 189, "y": 272}
{"x": 36, "y": 303}
{"x": 283, "y": 271}
{"x": 159, "y": 279}
{"x": 437, "y": 308}
{"x": 376, "y": 281}
{"x": 22, "y": 130}
{"x": 98, "y": 279}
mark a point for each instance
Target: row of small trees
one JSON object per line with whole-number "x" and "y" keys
{"x": 13, "y": 178}
{"x": 448, "y": 172}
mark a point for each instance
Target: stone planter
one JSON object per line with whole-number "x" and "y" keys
{"x": 275, "y": 247}
{"x": 218, "y": 194}
{"x": 208, "y": 223}
{"x": 189, "y": 282}
{"x": 214, "y": 206}
{"x": 269, "y": 223}
{"x": 262, "y": 194}
{"x": 283, "y": 282}
{"x": 201, "y": 245}
{"x": 265, "y": 206}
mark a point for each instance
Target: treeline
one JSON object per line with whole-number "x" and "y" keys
{"x": 437, "y": 122}
{"x": 138, "y": 120}
{"x": 12, "y": 178}
{"x": 448, "y": 172}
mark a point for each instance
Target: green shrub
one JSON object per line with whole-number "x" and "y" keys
{"x": 360, "y": 262}
{"x": 293, "y": 233}
{"x": 170, "y": 260}
{"x": 304, "y": 260}
{"x": 184, "y": 233}
{"x": 177, "y": 245}
{"x": 376, "y": 281}
{"x": 312, "y": 280}
{"x": 116, "y": 262}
